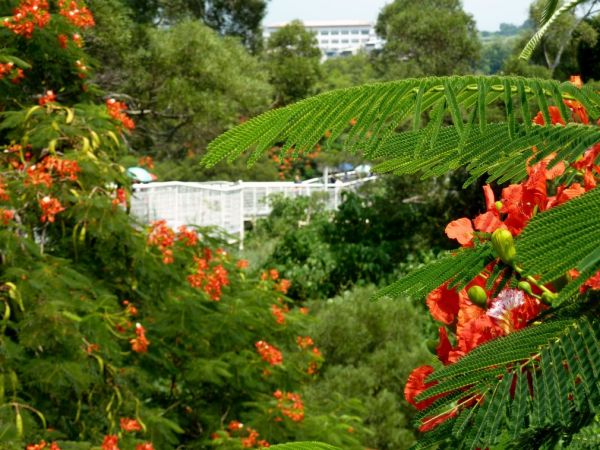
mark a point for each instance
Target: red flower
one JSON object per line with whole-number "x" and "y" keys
{"x": 144, "y": 446}
{"x": 48, "y": 97}
{"x": 140, "y": 343}
{"x": 444, "y": 347}
{"x": 443, "y": 304}
{"x": 429, "y": 423}
{"x": 50, "y": 207}
{"x": 235, "y": 425}
{"x": 269, "y": 353}
{"x": 76, "y": 13}
{"x": 242, "y": 264}
{"x": 461, "y": 230}
{"x": 115, "y": 110}
{"x": 28, "y": 15}
{"x": 415, "y": 385}
{"x": 555, "y": 117}
{"x": 130, "y": 425}
{"x": 110, "y": 442}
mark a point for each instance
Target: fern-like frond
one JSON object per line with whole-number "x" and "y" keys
{"x": 563, "y": 238}
{"x": 550, "y": 15}
{"x": 458, "y": 267}
{"x": 385, "y": 120}
{"x": 544, "y": 378}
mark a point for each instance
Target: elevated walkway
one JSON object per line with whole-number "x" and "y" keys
{"x": 225, "y": 204}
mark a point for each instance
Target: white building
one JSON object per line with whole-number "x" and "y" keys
{"x": 338, "y": 38}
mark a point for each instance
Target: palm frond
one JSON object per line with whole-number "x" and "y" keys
{"x": 543, "y": 378}
{"x": 385, "y": 120}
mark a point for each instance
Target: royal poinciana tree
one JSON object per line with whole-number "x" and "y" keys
{"x": 517, "y": 302}
{"x": 116, "y": 334}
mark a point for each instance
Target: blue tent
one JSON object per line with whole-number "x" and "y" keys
{"x": 140, "y": 175}
{"x": 345, "y": 167}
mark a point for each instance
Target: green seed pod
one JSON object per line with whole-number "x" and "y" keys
{"x": 478, "y": 296}
{"x": 502, "y": 241}
{"x": 499, "y": 205}
{"x": 525, "y": 287}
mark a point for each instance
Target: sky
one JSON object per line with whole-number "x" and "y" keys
{"x": 489, "y": 14}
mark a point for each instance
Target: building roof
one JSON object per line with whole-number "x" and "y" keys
{"x": 326, "y": 23}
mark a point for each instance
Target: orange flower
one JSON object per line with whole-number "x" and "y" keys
{"x": 140, "y": 343}
{"x": 144, "y": 446}
{"x": 110, "y": 442}
{"x": 129, "y": 425}
{"x": 48, "y": 97}
{"x": 443, "y": 304}
{"x": 269, "y": 353}
{"x": 50, "y": 207}
{"x": 461, "y": 230}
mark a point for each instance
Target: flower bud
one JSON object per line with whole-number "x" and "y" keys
{"x": 525, "y": 287}
{"x": 499, "y": 205}
{"x": 502, "y": 241}
{"x": 478, "y": 296}
{"x": 548, "y": 298}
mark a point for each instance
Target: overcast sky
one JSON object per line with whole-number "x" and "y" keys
{"x": 489, "y": 14}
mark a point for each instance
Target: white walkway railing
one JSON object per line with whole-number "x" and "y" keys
{"x": 225, "y": 204}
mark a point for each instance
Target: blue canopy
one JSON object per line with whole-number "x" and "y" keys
{"x": 140, "y": 175}
{"x": 345, "y": 167}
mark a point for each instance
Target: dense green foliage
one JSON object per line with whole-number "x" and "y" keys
{"x": 292, "y": 58}
{"x": 376, "y": 232}
{"x": 441, "y": 43}
{"x": 368, "y": 356}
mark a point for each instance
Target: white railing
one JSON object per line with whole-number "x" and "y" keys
{"x": 224, "y": 204}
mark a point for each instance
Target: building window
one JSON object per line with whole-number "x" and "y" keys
{"x": 326, "y": 41}
{"x": 354, "y": 31}
{"x": 325, "y": 32}
{"x": 345, "y": 32}
{"x": 344, "y": 41}
{"x": 364, "y": 31}
{"x": 355, "y": 40}
{"x": 335, "y": 32}
{"x": 335, "y": 41}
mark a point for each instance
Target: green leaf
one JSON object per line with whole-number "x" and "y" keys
{"x": 304, "y": 446}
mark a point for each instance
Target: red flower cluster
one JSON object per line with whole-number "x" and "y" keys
{"x": 146, "y": 161}
{"x": 110, "y": 442}
{"x": 115, "y": 110}
{"x": 120, "y": 197}
{"x": 304, "y": 342}
{"x": 283, "y": 286}
{"x": 188, "y": 236}
{"x": 48, "y": 97}
{"x": 6, "y": 215}
{"x": 9, "y": 69}
{"x": 279, "y": 314}
{"x": 250, "y": 441}
{"x": 144, "y": 446}
{"x": 77, "y": 13}
{"x": 163, "y": 237}
{"x": 290, "y": 405}
{"x": 212, "y": 281}
{"x": 242, "y": 264}
{"x": 28, "y": 15}
{"x": 139, "y": 344}
{"x": 473, "y": 314}
{"x": 42, "y": 445}
{"x": 50, "y": 207}
{"x": 269, "y": 353}
{"x": 42, "y": 173}
{"x": 130, "y": 425}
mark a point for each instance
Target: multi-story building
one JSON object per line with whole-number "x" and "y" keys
{"x": 338, "y": 38}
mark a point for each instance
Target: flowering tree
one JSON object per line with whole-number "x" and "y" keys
{"x": 115, "y": 333}
{"x": 517, "y": 358}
